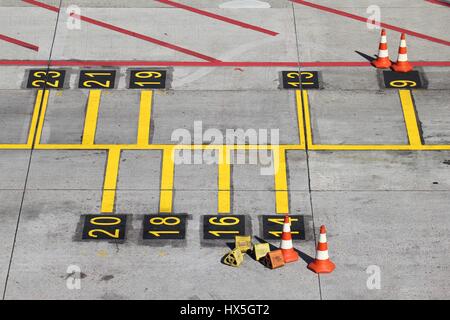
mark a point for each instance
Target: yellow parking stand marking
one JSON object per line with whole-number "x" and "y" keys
{"x": 167, "y": 172}
{"x": 304, "y": 101}
{"x": 90, "y": 123}
{"x": 110, "y": 183}
{"x": 41, "y": 109}
{"x": 144, "y": 118}
{"x": 409, "y": 114}
{"x": 281, "y": 185}
{"x": 224, "y": 181}
{"x": 41, "y": 94}
{"x": 301, "y": 123}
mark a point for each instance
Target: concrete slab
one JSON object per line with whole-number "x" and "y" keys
{"x": 47, "y": 227}
{"x": 67, "y": 169}
{"x": 401, "y": 233}
{"x": 16, "y": 109}
{"x": 195, "y": 3}
{"x": 225, "y": 110}
{"x": 357, "y": 117}
{"x": 91, "y": 42}
{"x": 14, "y": 167}
{"x": 432, "y": 109}
{"x": 320, "y": 41}
{"x": 64, "y": 118}
{"x": 34, "y": 26}
{"x": 379, "y": 170}
{"x": 139, "y": 170}
{"x": 297, "y": 171}
{"x": 437, "y": 78}
{"x": 118, "y": 117}
{"x": 12, "y": 77}
{"x": 227, "y": 78}
{"x": 9, "y": 212}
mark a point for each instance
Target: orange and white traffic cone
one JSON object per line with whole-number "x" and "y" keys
{"x": 402, "y": 64}
{"x": 322, "y": 263}
{"x": 383, "y": 61}
{"x": 289, "y": 254}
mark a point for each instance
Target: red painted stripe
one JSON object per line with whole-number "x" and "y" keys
{"x": 445, "y": 4}
{"x": 42, "y": 5}
{"x": 144, "y": 37}
{"x": 19, "y": 42}
{"x": 127, "y": 32}
{"x": 218, "y": 17}
{"x": 137, "y": 63}
{"x": 384, "y": 25}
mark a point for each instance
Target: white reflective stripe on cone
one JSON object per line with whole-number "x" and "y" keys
{"x": 322, "y": 255}
{"x": 383, "y": 39}
{"x": 403, "y": 43}
{"x": 402, "y": 57}
{"x": 286, "y": 227}
{"x": 323, "y": 238}
{"x": 286, "y": 244}
{"x": 383, "y": 54}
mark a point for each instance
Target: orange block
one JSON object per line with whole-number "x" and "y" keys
{"x": 274, "y": 259}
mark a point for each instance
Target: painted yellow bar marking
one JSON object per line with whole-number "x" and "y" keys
{"x": 110, "y": 183}
{"x": 301, "y": 123}
{"x": 281, "y": 184}
{"x": 409, "y": 114}
{"x": 145, "y": 117}
{"x": 90, "y": 122}
{"x": 167, "y": 172}
{"x": 305, "y": 104}
{"x": 320, "y": 147}
{"x": 40, "y": 108}
{"x": 224, "y": 181}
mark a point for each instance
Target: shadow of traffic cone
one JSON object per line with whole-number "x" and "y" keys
{"x": 322, "y": 263}
{"x": 402, "y": 64}
{"x": 289, "y": 254}
{"x": 383, "y": 61}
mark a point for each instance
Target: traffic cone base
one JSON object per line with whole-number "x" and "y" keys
{"x": 290, "y": 255}
{"x": 403, "y": 67}
{"x": 322, "y": 266}
{"x": 382, "y": 63}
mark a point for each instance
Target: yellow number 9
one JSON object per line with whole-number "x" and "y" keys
{"x": 402, "y": 83}
{"x": 225, "y": 221}
{"x": 293, "y": 75}
{"x": 148, "y": 74}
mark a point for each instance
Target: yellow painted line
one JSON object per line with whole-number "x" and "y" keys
{"x": 167, "y": 172}
{"x": 163, "y": 146}
{"x": 319, "y": 147}
{"x": 110, "y": 183}
{"x": 409, "y": 114}
{"x": 305, "y": 104}
{"x": 144, "y": 118}
{"x": 40, "y": 108}
{"x": 90, "y": 122}
{"x": 281, "y": 184}
{"x": 224, "y": 181}
{"x": 347, "y": 147}
{"x": 14, "y": 146}
{"x": 301, "y": 123}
